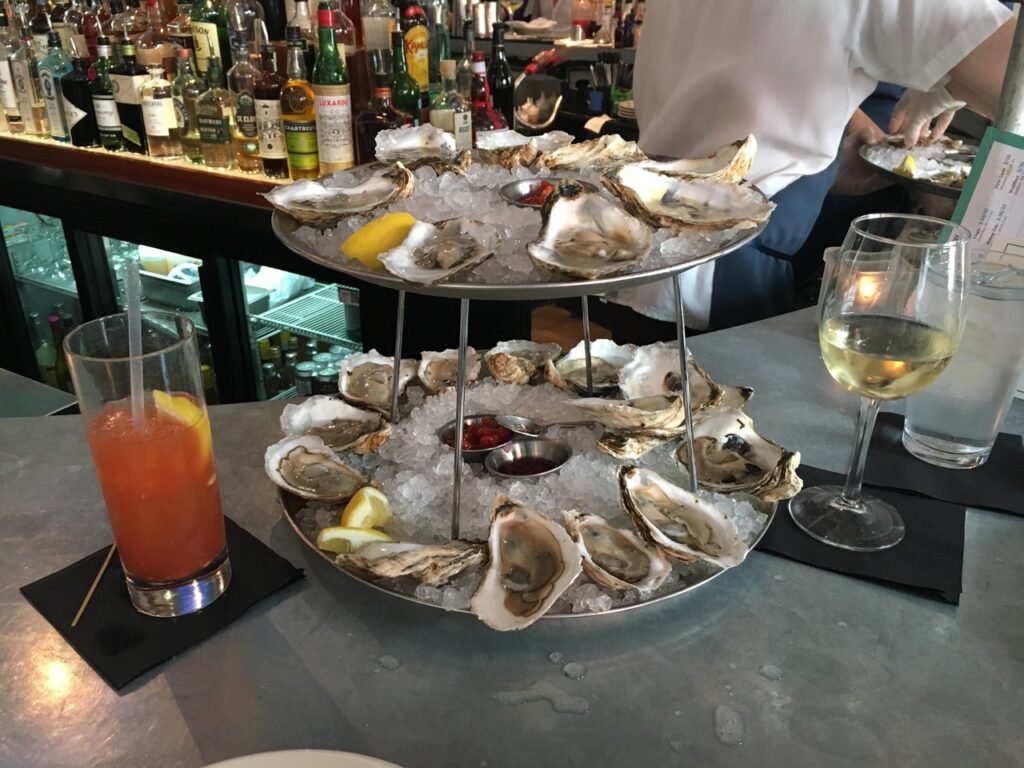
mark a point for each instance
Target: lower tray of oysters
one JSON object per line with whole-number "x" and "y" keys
{"x": 654, "y": 540}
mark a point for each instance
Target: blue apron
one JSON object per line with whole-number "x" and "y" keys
{"x": 756, "y": 281}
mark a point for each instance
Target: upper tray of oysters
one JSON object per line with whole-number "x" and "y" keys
{"x": 453, "y": 221}
{"x": 614, "y": 526}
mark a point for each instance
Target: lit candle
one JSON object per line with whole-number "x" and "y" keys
{"x": 867, "y": 287}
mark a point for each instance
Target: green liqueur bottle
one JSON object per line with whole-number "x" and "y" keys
{"x": 127, "y": 79}
{"x": 333, "y": 99}
{"x": 405, "y": 91}
{"x": 107, "y": 120}
{"x": 186, "y": 90}
{"x": 215, "y": 112}
{"x": 209, "y": 23}
{"x": 53, "y": 66}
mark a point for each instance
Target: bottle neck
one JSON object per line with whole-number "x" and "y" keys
{"x": 268, "y": 62}
{"x": 296, "y": 63}
{"x": 382, "y": 98}
{"x": 398, "y": 56}
{"x": 325, "y": 33}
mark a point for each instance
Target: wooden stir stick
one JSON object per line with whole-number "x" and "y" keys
{"x": 95, "y": 582}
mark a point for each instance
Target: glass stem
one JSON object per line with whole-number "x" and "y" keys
{"x": 865, "y": 426}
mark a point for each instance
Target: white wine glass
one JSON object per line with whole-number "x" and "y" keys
{"x": 891, "y": 315}
{"x": 511, "y": 6}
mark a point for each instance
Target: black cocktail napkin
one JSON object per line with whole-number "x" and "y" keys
{"x": 930, "y": 557}
{"x": 997, "y": 484}
{"x": 119, "y": 642}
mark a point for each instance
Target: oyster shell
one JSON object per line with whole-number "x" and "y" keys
{"x": 606, "y": 360}
{"x": 634, "y": 444}
{"x": 365, "y": 378}
{"x": 325, "y": 202}
{"x": 731, "y": 456}
{"x": 682, "y": 525}
{"x": 306, "y": 466}
{"x": 687, "y": 204}
{"x": 516, "y": 362}
{"x": 431, "y": 253}
{"x": 533, "y": 561}
{"x": 414, "y": 143}
{"x": 586, "y": 236}
{"x": 440, "y": 370}
{"x": 510, "y": 156}
{"x": 442, "y": 164}
{"x": 509, "y": 148}
{"x": 729, "y": 163}
{"x": 433, "y": 564}
{"x": 341, "y": 426}
{"x": 613, "y": 557}
{"x": 603, "y": 152}
{"x": 654, "y": 370}
{"x": 651, "y": 412}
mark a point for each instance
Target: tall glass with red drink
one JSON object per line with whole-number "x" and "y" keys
{"x": 156, "y": 467}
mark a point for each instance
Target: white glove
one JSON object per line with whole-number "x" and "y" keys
{"x": 915, "y": 111}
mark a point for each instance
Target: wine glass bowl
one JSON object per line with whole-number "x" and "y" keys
{"x": 890, "y": 317}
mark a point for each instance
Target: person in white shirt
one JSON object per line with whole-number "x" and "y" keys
{"x": 793, "y": 74}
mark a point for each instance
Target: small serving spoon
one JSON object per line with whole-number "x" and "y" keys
{"x": 530, "y": 428}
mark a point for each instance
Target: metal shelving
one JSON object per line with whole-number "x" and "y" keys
{"x": 318, "y": 315}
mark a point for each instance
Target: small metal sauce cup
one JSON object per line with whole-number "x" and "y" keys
{"x": 530, "y": 448}
{"x": 517, "y": 191}
{"x": 447, "y": 436}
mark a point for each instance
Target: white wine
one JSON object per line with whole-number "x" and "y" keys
{"x": 884, "y": 357}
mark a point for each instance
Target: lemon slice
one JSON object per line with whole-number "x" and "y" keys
{"x": 907, "y": 167}
{"x": 340, "y": 539}
{"x": 380, "y": 235}
{"x": 369, "y": 508}
{"x": 179, "y": 407}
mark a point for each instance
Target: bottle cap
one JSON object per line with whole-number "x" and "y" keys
{"x": 324, "y": 16}
{"x": 293, "y": 35}
{"x": 128, "y": 49}
{"x": 478, "y": 56}
{"x": 447, "y": 69}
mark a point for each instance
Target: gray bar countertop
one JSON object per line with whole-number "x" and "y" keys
{"x": 864, "y": 674}
{"x": 20, "y": 396}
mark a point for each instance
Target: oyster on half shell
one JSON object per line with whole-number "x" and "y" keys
{"x": 306, "y": 466}
{"x": 613, "y": 557}
{"x": 414, "y": 143}
{"x": 341, "y": 426}
{"x": 440, "y": 370}
{"x": 731, "y": 456}
{"x": 365, "y": 378}
{"x": 433, "y": 564}
{"x": 606, "y": 360}
{"x": 431, "y": 253}
{"x": 682, "y": 525}
{"x": 687, "y": 204}
{"x": 586, "y": 236}
{"x": 633, "y": 444}
{"x": 533, "y": 561}
{"x": 516, "y": 362}
{"x": 644, "y": 413}
{"x": 654, "y": 370}
{"x": 605, "y": 151}
{"x": 325, "y": 202}
{"x": 728, "y": 163}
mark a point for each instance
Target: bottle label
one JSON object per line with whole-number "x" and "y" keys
{"x": 106, "y": 113}
{"x": 40, "y": 46}
{"x": 154, "y": 116}
{"x": 207, "y": 44}
{"x": 23, "y": 90}
{"x": 214, "y": 129}
{"x": 462, "y": 127}
{"x": 8, "y": 97}
{"x": 443, "y": 119}
{"x": 245, "y": 122}
{"x": 72, "y": 114}
{"x": 300, "y": 139}
{"x": 334, "y": 125}
{"x": 181, "y": 116}
{"x": 128, "y": 88}
{"x": 417, "y": 43}
{"x": 131, "y": 135}
{"x": 52, "y": 101}
{"x": 269, "y": 129}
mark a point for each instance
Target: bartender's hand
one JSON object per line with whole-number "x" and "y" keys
{"x": 923, "y": 116}
{"x": 856, "y": 176}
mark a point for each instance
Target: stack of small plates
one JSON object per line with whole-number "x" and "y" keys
{"x": 627, "y": 110}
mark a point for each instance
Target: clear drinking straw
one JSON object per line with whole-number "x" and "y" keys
{"x": 134, "y": 291}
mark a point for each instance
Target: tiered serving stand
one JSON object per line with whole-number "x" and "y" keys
{"x": 553, "y": 287}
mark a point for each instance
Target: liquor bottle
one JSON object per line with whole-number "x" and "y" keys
{"x": 485, "y": 116}
{"x": 71, "y": 31}
{"x": 273, "y": 153}
{"x": 162, "y": 133}
{"x": 215, "y": 113}
{"x": 348, "y": 41}
{"x": 46, "y": 354}
{"x": 302, "y": 19}
{"x": 91, "y": 28}
{"x": 133, "y": 22}
{"x": 108, "y": 121}
{"x": 113, "y": 30}
{"x": 186, "y": 90}
{"x": 9, "y": 45}
{"x": 298, "y": 113}
{"x": 274, "y": 19}
{"x": 40, "y": 26}
{"x": 242, "y": 79}
{"x": 209, "y": 385}
{"x": 580, "y": 15}
{"x": 25, "y": 71}
{"x": 499, "y": 76}
{"x": 333, "y": 99}
{"x": 242, "y": 16}
{"x": 379, "y": 116}
{"x": 405, "y": 91}
{"x": 179, "y": 29}
{"x": 379, "y": 21}
{"x": 209, "y": 24}
{"x": 416, "y": 35}
{"x": 464, "y": 76}
{"x": 53, "y": 66}
{"x": 78, "y": 108}
{"x": 436, "y": 12}
{"x": 449, "y": 111}
{"x": 155, "y": 45}
{"x": 620, "y": 32}
{"x": 127, "y": 79}
{"x": 627, "y": 31}
{"x": 60, "y": 367}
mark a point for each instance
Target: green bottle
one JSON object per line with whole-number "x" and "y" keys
{"x": 405, "y": 91}
{"x": 209, "y": 24}
{"x": 333, "y": 99}
{"x": 107, "y": 119}
{"x": 186, "y": 90}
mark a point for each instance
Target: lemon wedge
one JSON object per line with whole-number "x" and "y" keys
{"x": 179, "y": 407}
{"x": 340, "y": 539}
{"x": 369, "y": 508}
{"x": 380, "y": 235}
{"x": 907, "y": 167}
